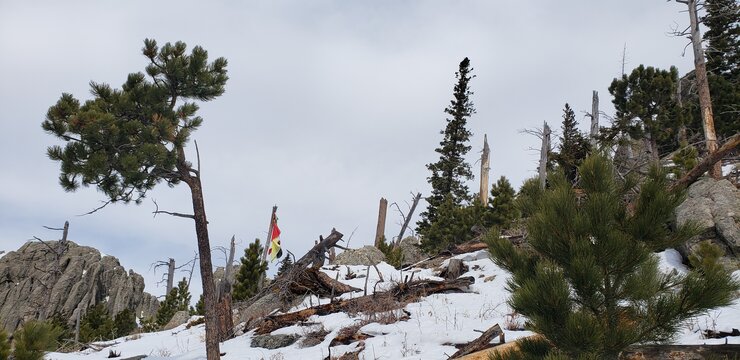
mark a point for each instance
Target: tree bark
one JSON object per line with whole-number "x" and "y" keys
{"x": 170, "y": 275}
{"x": 204, "y": 251}
{"x": 485, "y": 167}
{"x": 705, "y": 100}
{"x": 408, "y": 218}
{"x": 707, "y": 163}
{"x": 380, "y": 230}
{"x": 482, "y": 342}
{"x": 594, "y": 119}
{"x": 544, "y": 153}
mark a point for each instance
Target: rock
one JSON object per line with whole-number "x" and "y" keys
{"x": 273, "y": 341}
{"x": 28, "y": 291}
{"x": 180, "y": 317}
{"x": 715, "y": 206}
{"x": 366, "y": 255}
{"x": 412, "y": 253}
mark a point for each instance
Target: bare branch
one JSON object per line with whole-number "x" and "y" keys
{"x": 51, "y": 228}
{"x": 105, "y": 203}
{"x": 157, "y": 211}
{"x": 197, "y": 154}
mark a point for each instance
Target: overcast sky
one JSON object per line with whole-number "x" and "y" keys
{"x": 330, "y": 105}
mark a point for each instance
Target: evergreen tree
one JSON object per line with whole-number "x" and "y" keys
{"x": 527, "y": 200}
{"x": 34, "y": 339}
{"x": 451, "y": 227}
{"x": 198, "y": 309}
{"x": 97, "y": 325}
{"x": 393, "y": 254}
{"x": 177, "y": 300}
{"x": 646, "y": 107}
{"x": 126, "y": 141}
{"x": 590, "y": 283}
{"x": 285, "y": 265}
{"x": 4, "y": 345}
{"x": 59, "y": 320}
{"x": 722, "y": 37}
{"x": 250, "y": 272}
{"x": 501, "y": 203}
{"x": 573, "y": 146}
{"x": 124, "y": 323}
{"x": 451, "y": 171}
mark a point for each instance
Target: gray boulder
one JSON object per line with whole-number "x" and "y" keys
{"x": 28, "y": 290}
{"x": 366, "y": 255}
{"x": 273, "y": 341}
{"x": 180, "y": 317}
{"x": 412, "y": 253}
{"x": 715, "y": 206}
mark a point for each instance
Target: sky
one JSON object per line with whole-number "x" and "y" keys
{"x": 330, "y": 106}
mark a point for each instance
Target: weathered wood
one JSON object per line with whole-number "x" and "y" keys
{"x": 666, "y": 352}
{"x": 482, "y": 342}
{"x": 380, "y": 229}
{"x": 223, "y": 311}
{"x": 705, "y": 101}
{"x": 707, "y": 163}
{"x": 401, "y": 293}
{"x": 544, "y": 153}
{"x": 485, "y": 167}
{"x": 594, "y": 135}
{"x": 261, "y": 282}
{"x": 454, "y": 269}
{"x": 406, "y": 221}
{"x": 230, "y": 261}
{"x": 170, "y": 275}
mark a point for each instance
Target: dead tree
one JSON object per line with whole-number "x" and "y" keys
{"x": 223, "y": 298}
{"x": 406, "y": 217}
{"x": 714, "y": 158}
{"x": 485, "y": 167}
{"x": 169, "y": 277}
{"x": 56, "y": 271}
{"x": 705, "y": 100}
{"x": 544, "y": 153}
{"x": 380, "y": 229}
{"x": 594, "y": 120}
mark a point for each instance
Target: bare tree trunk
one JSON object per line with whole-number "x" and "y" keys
{"x": 230, "y": 261}
{"x": 705, "y": 164}
{"x": 705, "y": 101}
{"x": 544, "y": 152}
{"x": 77, "y": 324}
{"x": 485, "y": 167}
{"x": 594, "y": 119}
{"x": 170, "y": 275}
{"x": 61, "y": 248}
{"x": 267, "y": 245}
{"x": 380, "y": 230}
{"x": 408, "y": 218}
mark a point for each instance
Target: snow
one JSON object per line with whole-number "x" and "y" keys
{"x": 436, "y": 322}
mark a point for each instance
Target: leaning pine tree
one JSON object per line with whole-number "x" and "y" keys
{"x": 591, "y": 284}
{"x": 126, "y": 141}
{"x": 250, "y": 272}
{"x": 451, "y": 171}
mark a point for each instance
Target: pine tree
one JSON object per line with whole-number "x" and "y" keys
{"x": 198, "y": 309}
{"x": 527, "y": 200}
{"x": 177, "y": 300}
{"x": 646, "y": 107}
{"x": 126, "y": 141}
{"x": 591, "y": 283}
{"x": 4, "y": 345}
{"x": 451, "y": 171}
{"x": 722, "y": 20}
{"x": 451, "y": 227}
{"x": 501, "y": 204}
{"x": 250, "y": 272}
{"x": 573, "y": 146}
{"x": 124, "y": 322}
{"x": 34, "y": 339}
{"x": 285, "y": 265}
{"x": 183, "y": 295}
{"x": 97, "y": 325}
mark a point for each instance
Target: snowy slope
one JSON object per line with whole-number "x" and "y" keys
{"x": 435, "y": 321}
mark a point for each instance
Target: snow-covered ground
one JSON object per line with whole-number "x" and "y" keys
{"x": 434, "y": 321}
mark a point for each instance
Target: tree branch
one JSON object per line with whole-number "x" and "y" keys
{"x": 157, "y": 211}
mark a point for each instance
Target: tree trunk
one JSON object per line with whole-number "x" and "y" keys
{"x": 544, "y": 153}
{"x": 594, "y": 119}
{"x": 170, "y": 275}
{"x": 485, "y": 167}
{"x": 408, "y": 218}
{"x": 707, "y": 163}
{"x": 705, "y": 101}
{"x": 261, "y": 283}
{"x": 380, "y": 230}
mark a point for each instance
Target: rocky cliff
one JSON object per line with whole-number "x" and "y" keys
{"x": 29, "y": 288}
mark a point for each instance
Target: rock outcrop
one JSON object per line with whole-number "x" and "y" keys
{"x": 30, "y": 290}
{"x": 715, "y": 206}
{"x": 412, "y": 253}
{"x": 366, "y": 255}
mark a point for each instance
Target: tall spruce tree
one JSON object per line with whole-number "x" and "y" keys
{"x": 449, "y": 173}
{"x": 645, "y": 102}
{"x": 126, "y": 141}
{"x": 178, "y": 299}
{"x": 591, "y": 283}
{"x": 722, "y": 37}
{"x": 250, "y": 272}
{"x": 573, "y": 146}
{"x": 97, "y": 324}
{"x": 285, "y": 265}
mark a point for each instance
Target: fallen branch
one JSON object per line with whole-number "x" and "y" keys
{"x": 707, "y": 163}
{"x": 481, "y": 343}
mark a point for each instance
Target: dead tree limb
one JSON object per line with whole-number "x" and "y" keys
{"x": 481, "y": 343}
{"x": 707, "y": 163}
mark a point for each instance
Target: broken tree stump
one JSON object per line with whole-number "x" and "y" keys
{"x": 481, "y": 343}
{"x": 454, "y": 269}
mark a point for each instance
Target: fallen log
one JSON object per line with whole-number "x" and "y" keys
{"x": 401, "y": 294}
{"x": 681, "y": 352}
{"x": 481, "y": 343}
{"x": 707, "y": 163}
